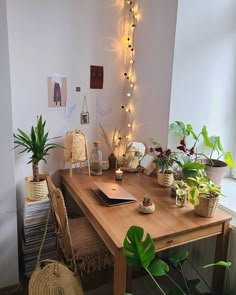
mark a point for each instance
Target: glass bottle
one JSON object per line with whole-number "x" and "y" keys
{"x": 96, "y": 159}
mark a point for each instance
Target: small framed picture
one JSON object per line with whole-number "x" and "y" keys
{"x": 84, "y": 118}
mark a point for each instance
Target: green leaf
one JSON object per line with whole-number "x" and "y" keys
{"x": 229, "y": 159}
{"x": 179, "y": 257}
{"x": 158, "y": 268}
{"x": 206, "y": 139}
{"x": 189, "y": 129}
{"x": 193, "y": 165}
{"x": 226, "y": 264}
{"x": 178, "y": 128}
{"x": 138, "y": 253}
{"x": 180, "y": 192}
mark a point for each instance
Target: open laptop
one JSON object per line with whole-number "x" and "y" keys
{"x": 112, "y": 194}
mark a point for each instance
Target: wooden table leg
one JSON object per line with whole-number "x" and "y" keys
{"x": 220, "y": 254}
{"x": 120, "y": 272}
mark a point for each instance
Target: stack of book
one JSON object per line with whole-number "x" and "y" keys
{"x": 35, "y": 217}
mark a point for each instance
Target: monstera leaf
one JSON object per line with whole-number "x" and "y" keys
{"x": 138, "y": 252}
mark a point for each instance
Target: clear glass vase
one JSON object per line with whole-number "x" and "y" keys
{"x": 180, "y": 200}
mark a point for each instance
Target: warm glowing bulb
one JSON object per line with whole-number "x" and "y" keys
{"x": 131, "y": 61}
{"x": 128, "y": 2}
{"x": 127, "y": 136}
{"x": 128, "y": 94}
{"x": 131, "y": 85}
{"x": 129, "y": 125}
{"x": 127, "y": 109}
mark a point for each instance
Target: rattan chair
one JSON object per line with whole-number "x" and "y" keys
{"x": 81, "y": 246}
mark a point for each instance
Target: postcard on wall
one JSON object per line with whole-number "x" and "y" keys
{"x": 57, "y": 91}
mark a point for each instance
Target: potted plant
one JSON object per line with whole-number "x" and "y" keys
{"x": 180, "y": 187}
{"x": 37, "y": 144}
{"x": 164, "y": 159}
{"x": 203, "y": 194}
{"x": 139, "y": 252}
{"x": 216, "y": 168}
{"x": 146, "y": 205}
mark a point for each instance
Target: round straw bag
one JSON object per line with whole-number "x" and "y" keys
{"x": 54, "y": 278}
{"x": 51, "y": 277}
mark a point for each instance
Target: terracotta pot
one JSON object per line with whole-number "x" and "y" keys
{"x": 165, "y": 179}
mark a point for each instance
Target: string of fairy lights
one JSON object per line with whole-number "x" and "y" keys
{"x": 132, "y": 16}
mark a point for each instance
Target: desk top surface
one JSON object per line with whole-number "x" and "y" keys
{"x": 166, "y": 221}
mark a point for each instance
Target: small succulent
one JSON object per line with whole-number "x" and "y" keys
{"x": 146, "y": 200}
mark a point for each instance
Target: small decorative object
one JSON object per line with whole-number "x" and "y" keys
{"x": 146, "y": 206}
{"x": 180, "y": 192}
{"x": 36, "y": 143}
{"x": 164, "y": 159}
{"x": 84, "y": 115}
{"x": 112, "y": 161}
{"x": 119, "y": 174}
{"x": 112, "y": 145}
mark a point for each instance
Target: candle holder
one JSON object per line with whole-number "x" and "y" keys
{"x": 119, "y": 174}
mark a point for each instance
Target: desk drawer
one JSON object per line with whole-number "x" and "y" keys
{"x": 187, "y": 237}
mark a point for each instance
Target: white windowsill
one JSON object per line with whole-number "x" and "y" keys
{"x": 228, "y": 203}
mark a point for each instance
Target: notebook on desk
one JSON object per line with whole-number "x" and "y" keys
{"x": 112, "y": 194}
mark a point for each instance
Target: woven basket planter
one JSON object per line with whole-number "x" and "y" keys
{"x": 35, "y": 190}
{"x": 165, "y": 179}
{"x": 207, "y": 206}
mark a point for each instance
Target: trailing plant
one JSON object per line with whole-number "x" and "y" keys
{"x": 139, "y": 253}
{"x": 36, "y": 143}
{"x": 202, "y": 186}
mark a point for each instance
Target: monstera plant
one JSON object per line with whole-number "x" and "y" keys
{"x": 139, "y": 252}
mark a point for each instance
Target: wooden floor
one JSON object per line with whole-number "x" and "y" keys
{"x": 142, "y": 285}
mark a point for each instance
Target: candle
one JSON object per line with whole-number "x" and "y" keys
{"x": 119, "y": 174}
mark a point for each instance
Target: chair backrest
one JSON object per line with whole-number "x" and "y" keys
{"x": 61, "y": 222}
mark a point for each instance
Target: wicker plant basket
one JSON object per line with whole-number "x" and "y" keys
{"x": 165, "y": 179}
{"x": 35, "y": 190}
{"x": 207, "y": 206}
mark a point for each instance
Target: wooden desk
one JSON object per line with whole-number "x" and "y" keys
{"x": 169, "y": 226}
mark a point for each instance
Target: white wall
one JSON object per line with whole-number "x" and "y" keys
{"x": 204, "y": 72}
{"x": 8, "y": 227}
{"x": 65, "y": 37}
{"x": 154, "y": 56}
